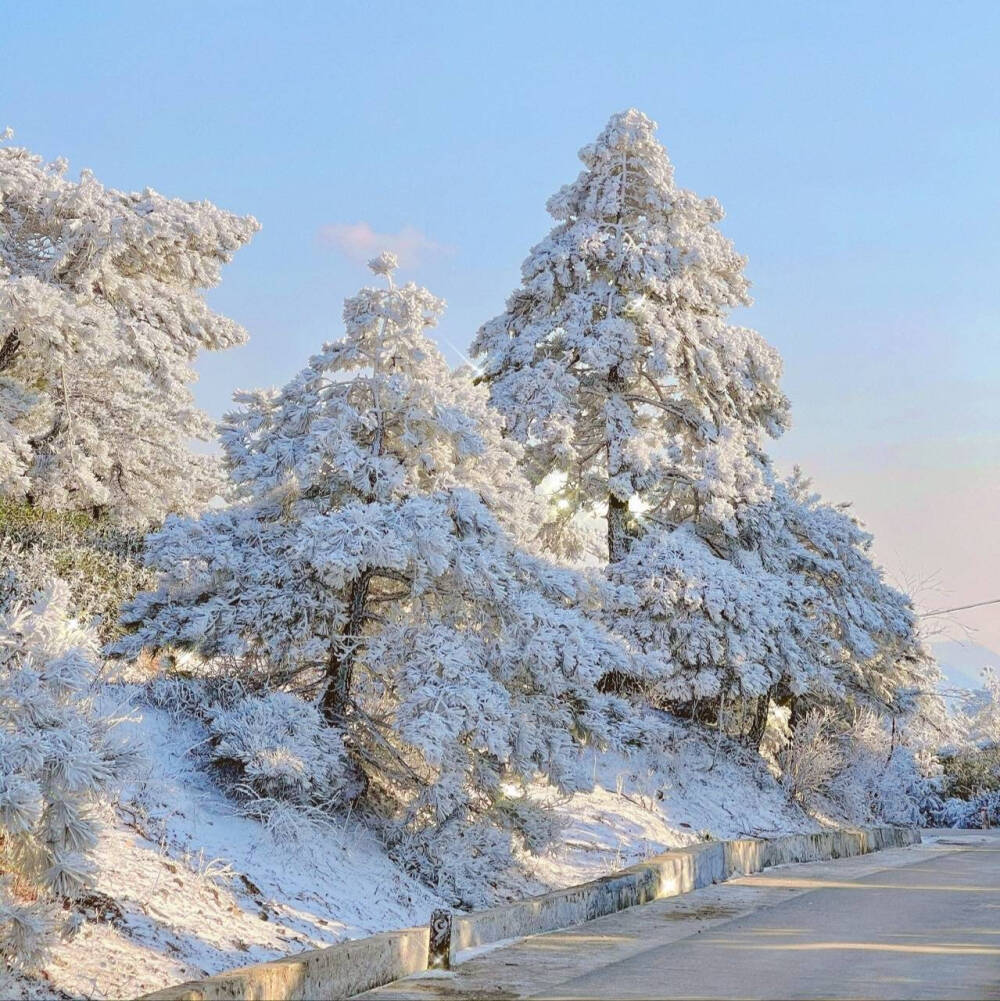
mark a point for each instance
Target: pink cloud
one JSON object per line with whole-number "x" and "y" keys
{"x": 359, "y": 242}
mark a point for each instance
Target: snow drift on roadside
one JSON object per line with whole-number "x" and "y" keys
{"x": 647, "y": 803}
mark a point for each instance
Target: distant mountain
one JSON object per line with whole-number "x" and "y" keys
{"x": 962, "y": 663}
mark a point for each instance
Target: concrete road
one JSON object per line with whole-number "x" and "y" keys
{"x": 921, "y": 922}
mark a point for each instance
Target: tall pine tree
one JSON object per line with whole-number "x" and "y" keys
{"x": 614, "y": 363}
{"x": 372, "y": 557}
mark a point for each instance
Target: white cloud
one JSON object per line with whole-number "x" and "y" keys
{"x": 359, "y": 242}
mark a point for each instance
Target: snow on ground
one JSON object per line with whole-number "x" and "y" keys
{"x": 643, "y": 805}
{"x": 197, "y": 889}
{"x": 187, "y": 887}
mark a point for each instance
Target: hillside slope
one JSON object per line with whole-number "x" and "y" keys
{"x": 187, "y": 887}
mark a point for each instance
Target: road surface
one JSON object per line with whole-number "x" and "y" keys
{"x": 920, "y": 922}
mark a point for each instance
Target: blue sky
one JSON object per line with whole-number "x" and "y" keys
{"x": 855, "y": 147}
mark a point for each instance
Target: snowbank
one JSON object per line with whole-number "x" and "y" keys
{"x": 642, "y": 805}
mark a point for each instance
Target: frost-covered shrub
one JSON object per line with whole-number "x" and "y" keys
{"x": 60, "y": 757}
{"x": 471, "y": 861}
{"x": 283, "y": 750}
{"x": 810, "y": 760}
{"x": 972, "y": 771}
{"x": 879, "y": 779}
{"x": 26, "y": 927}
{"x": 859, "y": 768}
{"x": 195, "y": 697}
{"x": 970, "y": 768}
{"x": 969, "y": 813}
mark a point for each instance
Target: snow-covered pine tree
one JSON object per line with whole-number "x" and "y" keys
{"x": 616, "y": 367}
{"x": 793, "y": 611}
{"x": 865, "y": 644}
{"x": 59, "y": 758}
{"x": 373, "y": 557}
{"x": 101, "y": 317}
{"x": 614, "y": 362}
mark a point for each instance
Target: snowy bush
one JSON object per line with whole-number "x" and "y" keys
{"x": 795, "y": 610}
{"x": 968, "y": 813}
{"x": 970, "y": 764}
{"x": 879, "y": 779}
{"x": 858, "y": 768}
{"x": 283, "y": 750}
{"x": 59, "y": 759}
{"x": 811, "y": 759}
{"x": 972, "y": 771}
{"x": 197, "y": 694}
{"x": 99, "y": 562}
{"x": 473, "y": 861}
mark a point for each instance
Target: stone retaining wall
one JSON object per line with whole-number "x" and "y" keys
{"x": 349, "y": 968}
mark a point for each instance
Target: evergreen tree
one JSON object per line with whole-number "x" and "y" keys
{"x": 614, "y": 363}
{"x": 101, "y": 317}
{"x": 372, "y": 557}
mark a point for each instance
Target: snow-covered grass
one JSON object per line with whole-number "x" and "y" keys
{"x": 187, "y": 887}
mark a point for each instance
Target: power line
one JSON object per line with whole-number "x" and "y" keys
{"x": 960, "y": 608}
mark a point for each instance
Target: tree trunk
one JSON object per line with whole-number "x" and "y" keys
{"x": 340, "y": 663}
{"x": 618, "y": 538}
{"x": 8, "y": 350}
{"x": 618, "y": 533}
{"x": 782, "y": 696}
{"x": 797, "y": 711}
{"x": 759, "y": 722}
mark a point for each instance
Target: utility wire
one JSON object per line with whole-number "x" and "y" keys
{"x": 960, "y": 608}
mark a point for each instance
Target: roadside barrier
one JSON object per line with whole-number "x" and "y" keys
{"x": 349, "y": 968}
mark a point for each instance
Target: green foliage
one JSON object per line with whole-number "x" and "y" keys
{"x": 100, "y": 562}
{"x": 970, "y": 773}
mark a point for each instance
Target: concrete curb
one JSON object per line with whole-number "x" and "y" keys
{"x": 349, "y": 968}
{"x": 339, "y": 971}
